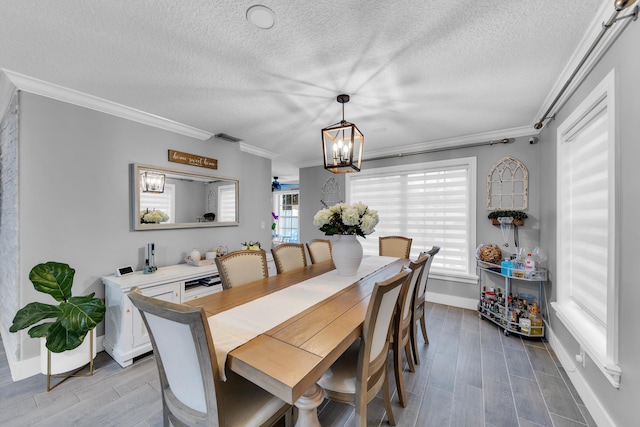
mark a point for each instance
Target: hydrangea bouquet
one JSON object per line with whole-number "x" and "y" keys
{"x": 152, "y": 216}
{"x": 347, "y": 219}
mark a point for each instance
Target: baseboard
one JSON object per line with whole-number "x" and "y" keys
{"x": 596, "y": 408}
{"x": 23, "y": 369}
{"x": 461, "y": 302}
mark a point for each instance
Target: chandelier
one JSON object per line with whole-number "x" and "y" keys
{"x": 342, "y": 144}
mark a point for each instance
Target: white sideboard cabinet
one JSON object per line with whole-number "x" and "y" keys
{"x": 125, "y": 334}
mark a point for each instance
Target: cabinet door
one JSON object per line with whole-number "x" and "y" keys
{"x": 169, "y": 292}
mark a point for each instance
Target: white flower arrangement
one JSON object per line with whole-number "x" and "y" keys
{"x": 347, "y": 219}
{"x": 152, "y": 216}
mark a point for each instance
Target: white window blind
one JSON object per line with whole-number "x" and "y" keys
{"x": 433, "y": 203}
{"x": 227, "y": 203}
{"x": 586, "y": 237}
{"x": 165, "y": 202}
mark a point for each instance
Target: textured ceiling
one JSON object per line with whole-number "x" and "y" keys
{"x": 417, "y": 71}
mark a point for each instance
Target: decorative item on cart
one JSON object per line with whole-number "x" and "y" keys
{"x": 489, "y": 253}
{"x": 346, "y": 221}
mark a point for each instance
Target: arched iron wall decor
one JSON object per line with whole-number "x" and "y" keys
{"x": 508, "y": 185}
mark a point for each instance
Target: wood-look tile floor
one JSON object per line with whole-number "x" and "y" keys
{"x": 470, "y": 375}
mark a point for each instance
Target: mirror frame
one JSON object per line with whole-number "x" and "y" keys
{"x": 136, "y": 168}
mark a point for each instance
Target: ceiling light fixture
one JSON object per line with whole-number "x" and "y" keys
{"x": 261, "y": 16}
{"x": 339, "y": 143}
{"x": 152, "y": 182}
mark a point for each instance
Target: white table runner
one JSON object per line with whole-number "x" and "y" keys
{"x": 233, "y": 328}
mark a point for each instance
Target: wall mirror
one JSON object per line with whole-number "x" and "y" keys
{"x": 170, "y": 198}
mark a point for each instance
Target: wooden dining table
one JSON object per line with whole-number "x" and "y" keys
{"x": 288, "y": 359}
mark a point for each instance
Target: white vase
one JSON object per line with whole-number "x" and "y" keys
{"x": 346, "y": 253}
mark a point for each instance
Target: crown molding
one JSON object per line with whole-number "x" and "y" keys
{"x": 60, "y": 93}
{"x": 7, "y": 90}
{"x": 247, "y": 148}
{"x": 603, "y": 15}
{"x": 440, "y": 144}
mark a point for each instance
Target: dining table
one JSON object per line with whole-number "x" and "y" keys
{"x": 284, "y": 331}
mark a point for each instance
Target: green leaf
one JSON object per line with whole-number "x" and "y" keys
{"x": 53, "y": 278}
{"x": 40, "y": 330}
{"x": 82, "y": 314}
{"x": 32, "y": 313}
{"x": 60, "y": 339}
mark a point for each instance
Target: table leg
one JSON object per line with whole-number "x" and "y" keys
{"x": 307, "y": 406}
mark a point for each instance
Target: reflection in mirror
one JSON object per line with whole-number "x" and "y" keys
{"x": 188, "y": 199}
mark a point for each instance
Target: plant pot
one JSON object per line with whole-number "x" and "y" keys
{"x": 67, "y": 360}
{"x": 346, "y": 253}
{"x": 518, "y": 222}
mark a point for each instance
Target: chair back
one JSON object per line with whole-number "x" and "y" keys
{"x": 186, "y": 359}
{"x": 405, "y": 300}
{"x": 240, "y": 267}
{"x": 289, "y": 256}
{"x": 395, "y": 246}
{"x": 319, "y": 250}
{"x": 424, "y": 275}
{"x": 374, "y": 347}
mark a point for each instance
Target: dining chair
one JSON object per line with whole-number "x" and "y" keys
{"x": 396, "y": 246}
{"x": 401, "y": 329}
{"x": 319, "y": 250}
{"x": 289, "y": 256}
{"x": 361, "y": 371}
{"x": 241, "y": 267}
{"x": 417, "y": 314}
{"x": 192, "y": 390}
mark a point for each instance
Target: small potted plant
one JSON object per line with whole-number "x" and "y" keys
{"x": 73, "y": 317}
{"x": 251, "y": 246}
{"x": 518, "y": 216}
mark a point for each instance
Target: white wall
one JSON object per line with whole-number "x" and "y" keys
{"x": 613, "y": 406}
{"x": 75, "y": 202}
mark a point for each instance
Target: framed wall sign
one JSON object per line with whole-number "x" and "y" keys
{"x": 192, "y": 159}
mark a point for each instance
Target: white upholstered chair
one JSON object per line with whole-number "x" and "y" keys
{"x": 417, "y": 314}
{"x": 289, "y": 256}
{"x": 192, "y": 391}
{"x": 319, "y": 250}
{"x": 241, "y": 267}
{"x": 402, "y": 327}
{"x": 396, "y": 246}
{"x": 359, "y": 374}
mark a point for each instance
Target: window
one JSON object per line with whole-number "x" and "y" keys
{"x": 227, "y": 203}
{"x": 434, "y": 203}
{"x": 165, "y": 202}
{"x": 286, "y": 207}
{"x": 586, "y": 218}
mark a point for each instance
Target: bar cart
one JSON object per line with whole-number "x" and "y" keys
{"x": 514, "y": 311}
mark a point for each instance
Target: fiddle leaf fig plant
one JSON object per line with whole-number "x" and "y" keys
{"x": 72, "y": 318}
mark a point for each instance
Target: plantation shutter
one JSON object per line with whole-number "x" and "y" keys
{"x": 227, "y": 201}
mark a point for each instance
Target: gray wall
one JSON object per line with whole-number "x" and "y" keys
{"x": 312, "y": 180}
{"x": 74, "y": 197}
{"x": 623, "y": 57}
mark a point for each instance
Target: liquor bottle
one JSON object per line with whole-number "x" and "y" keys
{"x": 536, "y": 320}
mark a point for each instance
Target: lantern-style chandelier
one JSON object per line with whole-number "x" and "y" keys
{"x": 152, "y": 182}
{"x": 342, "y": 144}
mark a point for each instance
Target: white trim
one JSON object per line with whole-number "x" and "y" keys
{"x": 60, "y": 93}
{"x": 604, "y": 13}
{"x": 595, "y": 407}
{"x": 7, "y": 88}
{"x": 256, "y": 151}
{"x": 454, "y": 301}
{"x": 439, "y": 144}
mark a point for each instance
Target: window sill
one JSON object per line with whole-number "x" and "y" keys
{"x": 591, "y": 337}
